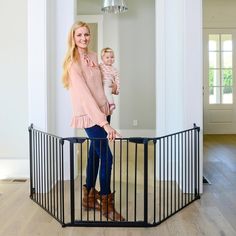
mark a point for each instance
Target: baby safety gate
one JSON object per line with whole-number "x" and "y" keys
{"x": 152, "y": 178}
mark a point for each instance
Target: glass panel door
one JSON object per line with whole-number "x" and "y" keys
{"x": 220, "y": 61}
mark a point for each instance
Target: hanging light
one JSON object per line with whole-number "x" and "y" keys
{"x": 114, "y": 6}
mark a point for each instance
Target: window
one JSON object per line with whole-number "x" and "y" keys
{"x": 220, "y": 77}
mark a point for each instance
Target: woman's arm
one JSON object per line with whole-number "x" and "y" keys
{"x": 111, "y": 133}
{"x": 80, "y": 92}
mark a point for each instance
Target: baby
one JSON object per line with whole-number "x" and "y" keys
{"x": 109, "y": 75}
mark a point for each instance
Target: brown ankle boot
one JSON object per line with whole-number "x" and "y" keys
{"x": 108, "y": 208}
{"x": 90, "y": 199}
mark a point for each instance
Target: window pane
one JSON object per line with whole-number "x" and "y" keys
{"x": 227, "y": 95}
{"x": 227, "y": 78}
{"x": 214, "y": 42}
{"x": 214, "y": 95}
{"x": 226, "y": 60}
{"x": 214, "y": 78}
{"x": 226, "y": 42}
{"x": 214, "y": 58}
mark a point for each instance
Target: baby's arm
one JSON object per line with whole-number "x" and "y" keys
{"x": 116, "y": 82}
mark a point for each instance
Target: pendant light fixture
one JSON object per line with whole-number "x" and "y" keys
{"x": 114, "y": 6}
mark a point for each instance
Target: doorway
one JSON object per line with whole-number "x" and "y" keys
{"x": 219, "y": 81}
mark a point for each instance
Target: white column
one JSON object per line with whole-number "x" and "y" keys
{"x": 64, "y": 18}
{"x": 48, "y": 26}
{"x": 37, "y": 64}
{"x": 178, "y": 66}
{"x": 49, "y": 106}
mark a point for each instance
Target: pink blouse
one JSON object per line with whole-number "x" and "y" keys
{"x": 89, "y": 103}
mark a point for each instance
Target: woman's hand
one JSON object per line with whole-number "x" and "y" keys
{"x": 111, "y": 133}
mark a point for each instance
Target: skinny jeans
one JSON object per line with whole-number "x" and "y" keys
{"x": 99, "y": 153}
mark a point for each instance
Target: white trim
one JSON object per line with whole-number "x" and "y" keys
{"x": 14, "y": 168}
{"x": 160, "y": 67}
{"x": 127, "y": 133}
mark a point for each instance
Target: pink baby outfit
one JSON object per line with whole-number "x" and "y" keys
{"x": 89, "y": 103}
{"x": 110, "y": 75}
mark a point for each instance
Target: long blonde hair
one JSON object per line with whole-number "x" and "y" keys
{"x": 72, "y": 53}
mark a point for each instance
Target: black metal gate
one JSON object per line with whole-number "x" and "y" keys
{"x": 153, "y": 178}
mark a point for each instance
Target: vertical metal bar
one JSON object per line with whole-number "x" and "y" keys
{"x": 34, "y": 164}
{"x": 175, "y": 166}
{"x": 167, "y": 177}
{"x": 114, "y": 165}
{"x": 81, "y": 180}
{"x": 145, "y": 181}
{"x": 36, "y": 167}
{"x": 185, "y": 168}
{"x": 121, "y": 175}
{"x": 88, "y": 147}
{"x": 127, "y": 179}
{"x": 57, "y": 175}
{"x": 182, "y": 168}
{"x": 195, "y": 161}
{"x": 178, "y": 171}
{"x": 154, "y": 179}
{"x": 94, "y": 152}
{"x": 53, "y": 174}
{"x": 135, "y": 180}
{"x": 30, "y": 159}
{"x": 106, "y": 176}
{"x": 44, "y": 171}
{"x": 164, "y": 178}
{"x": 61, "y": 142}
{"x": 160, "y": 179}
{"x": 72, "y": 187}
{"x": 62, "y": 183}
{"x": 114, "y": 172}
{"x": 50, "y": 171}
{"x": 100, "y": 154}
{"x": 171, "y": 172}
{"x": 40, "y": 171}
{"x": 198, "y": 158}
{"x": 192, "y": 179}
{"x": 189, "y": 192}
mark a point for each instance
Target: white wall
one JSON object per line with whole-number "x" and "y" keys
{"x": 132, "y": 36}
{"x": 13, "y": 89}
{"x": 219, "y": 14}
{"x": 137, "y": 64}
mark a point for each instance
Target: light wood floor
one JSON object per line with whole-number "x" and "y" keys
{"x": 214, "y": 214}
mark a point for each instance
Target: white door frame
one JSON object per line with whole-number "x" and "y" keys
{"x": 218, "y": 118}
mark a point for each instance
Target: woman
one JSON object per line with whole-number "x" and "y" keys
{"x": 82, "y": 77}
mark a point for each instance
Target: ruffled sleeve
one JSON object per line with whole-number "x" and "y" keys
{"x": 81, "y": 93}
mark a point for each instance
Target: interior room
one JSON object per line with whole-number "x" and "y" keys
{"x": 176, "y": 62}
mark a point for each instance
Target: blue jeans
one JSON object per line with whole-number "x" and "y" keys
{"x": 99, "y": 151}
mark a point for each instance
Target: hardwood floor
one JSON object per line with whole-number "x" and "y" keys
{"x": 214, "y": 214}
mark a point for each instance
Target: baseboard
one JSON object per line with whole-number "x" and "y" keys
{"x": 126, "y": 133}
{"x": 14, "y": 168}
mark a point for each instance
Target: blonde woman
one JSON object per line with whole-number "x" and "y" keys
{"x": 82, "y": 77}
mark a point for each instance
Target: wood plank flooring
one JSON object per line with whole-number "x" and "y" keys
{"x": 214, "y": 214}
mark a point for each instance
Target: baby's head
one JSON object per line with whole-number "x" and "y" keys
{"x": 107, "y": 56}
